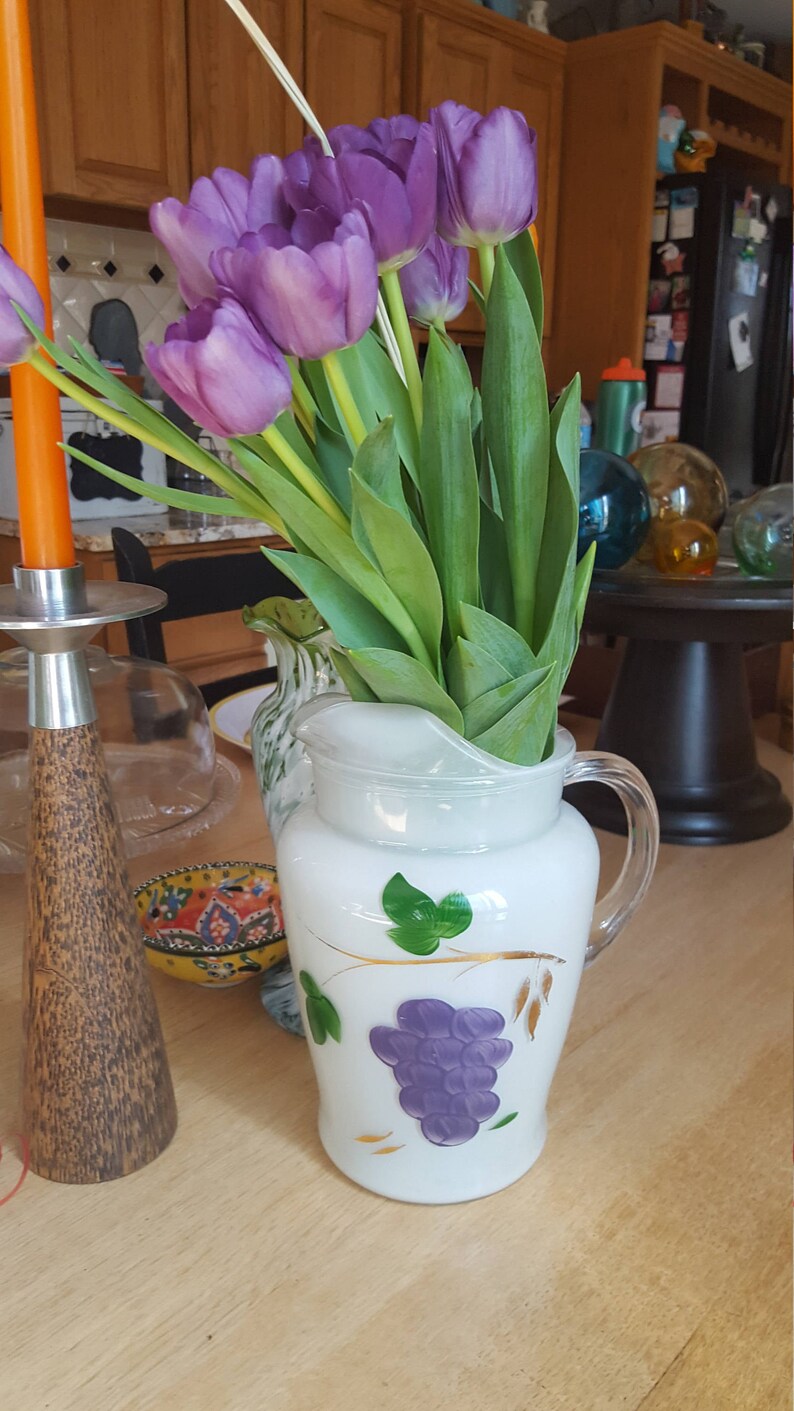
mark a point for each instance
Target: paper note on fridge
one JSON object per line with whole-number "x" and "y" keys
{"x": 739, "y": 337}
{"x": 658, "y": 334}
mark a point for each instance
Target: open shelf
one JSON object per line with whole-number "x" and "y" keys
{"x": 729, "y": 136}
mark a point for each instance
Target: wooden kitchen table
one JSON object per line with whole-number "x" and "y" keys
{"x": 643, "y": 1262}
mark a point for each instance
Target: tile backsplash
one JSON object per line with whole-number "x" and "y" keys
{"x": 89, "y": 263}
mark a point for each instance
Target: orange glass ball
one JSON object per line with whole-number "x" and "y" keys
{"x": 685, "y": 548}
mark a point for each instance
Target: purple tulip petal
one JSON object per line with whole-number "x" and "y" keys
{"x": 267, "y": 203}
{"x": 190, "y": 239}
{"x": 487, "y": 174}
{"x": 15, "y": 341}
{"x": 222, "y": 370}
{"x": 222, "y": 199}
{"x": 435, "y": 285}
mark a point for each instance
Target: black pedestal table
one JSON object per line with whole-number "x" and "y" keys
{"x": 680, "y": 706}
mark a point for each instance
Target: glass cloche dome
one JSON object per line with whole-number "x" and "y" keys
{"x": 159, "y": 748}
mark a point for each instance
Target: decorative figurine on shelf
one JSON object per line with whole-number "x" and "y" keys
{"x": 683, "y": 483}
{"x": 614, "y": 508}
{"x": 671, "y": 124}
{"x": 763, "y": 533}
{"x": 695, "y": 149}
{"x": 685, "y": 548}
{"x": 535, "y": 12}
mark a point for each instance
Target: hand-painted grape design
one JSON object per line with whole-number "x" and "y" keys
{"x": 445, "y": 1061}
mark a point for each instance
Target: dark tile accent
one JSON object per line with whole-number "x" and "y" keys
{"x": 156, "y": 274}
{"x": 110, "y": 269}
{"x": 63, "y": 264}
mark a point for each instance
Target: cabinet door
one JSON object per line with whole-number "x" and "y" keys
{"x": 237, "y": 107}
{"x": 533, "y": 84}
{"x": 112, "y": 87}
{"x": 353, "y": 60}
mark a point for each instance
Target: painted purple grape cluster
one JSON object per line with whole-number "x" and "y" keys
{"x": 445, "y": 1062}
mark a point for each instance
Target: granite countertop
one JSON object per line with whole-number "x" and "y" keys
{"x": 154, "y": 530}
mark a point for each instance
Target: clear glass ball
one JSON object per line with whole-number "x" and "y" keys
{"x": 683, "y": 483}
{"x": 763, "y": 533}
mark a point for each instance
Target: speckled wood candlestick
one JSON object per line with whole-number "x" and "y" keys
{"x": 97, "y": 1099}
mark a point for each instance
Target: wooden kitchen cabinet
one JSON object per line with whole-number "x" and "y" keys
{"x": 111, "y": 82}
{"x": 237, "y": 107}
{"x": 456, "y": 50}
{"x": 353, "y": 59}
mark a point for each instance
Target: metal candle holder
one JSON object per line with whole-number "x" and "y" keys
{"x": 97, "y": 1099}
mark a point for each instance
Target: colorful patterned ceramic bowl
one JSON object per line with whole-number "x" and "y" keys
{"x": 215, "y": 924}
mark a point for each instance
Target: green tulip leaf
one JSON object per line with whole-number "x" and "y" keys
{"x": 471, "y": 671}
{"x": 498, "y": 639}
{"x": 553, "y": 604}
{"x": 523, "y": 257}
{"x": 448, "y": 481}
{"x": 334, "y": 456}
{"x": 165, "y": 494}
{"x": 516, "y": 421}
{"x": 486, "y": 712}
{"x": 352, "y": 619}
{"x": 356, "y": 685}
{"x": 402, "y": 680}
{"x": 495, "y": 584}
{"x": 377, "y": 465}
{"x": 389, "y": 396}
{"x": 522, "y": 735}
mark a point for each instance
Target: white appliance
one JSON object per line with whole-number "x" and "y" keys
{"x": 91, "y": 495}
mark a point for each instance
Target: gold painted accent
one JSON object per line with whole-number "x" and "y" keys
{"x": 387, "y": 1150}
{"x": 482, "y": 957}
{"x": 521, "y": 999}
{"x": 533, "y": 1016}
{"x": 374, "y": 1139}
{"x": 546, "y": 984}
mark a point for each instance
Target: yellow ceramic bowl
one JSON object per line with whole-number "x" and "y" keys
{"x": 215, "y": 924}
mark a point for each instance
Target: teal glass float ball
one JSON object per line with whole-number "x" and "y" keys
{"x": 763, "y": 533}
{"x": 614, "y": 508}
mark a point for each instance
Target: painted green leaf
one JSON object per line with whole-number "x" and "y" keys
{"x": 523, "y": 257}
{"x": 511, "y": 1116}
{"x": 417, "y": 939}
{"x": 516, "y": 420}
{"x": 406, "y": 904}
{"x": 316, "y": 1019}
{"x": 454, "y": 915}
{"x": 402, "y": 680}
{"x": 330, "y": 1017}
{"x": 448, "y": 480}
{"x": 309, "y": 985}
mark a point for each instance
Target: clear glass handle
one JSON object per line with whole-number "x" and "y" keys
{"x": 634, "y": 791}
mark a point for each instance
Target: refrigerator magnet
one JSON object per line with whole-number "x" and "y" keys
{"x": 681, "y": 291}
{"x": 679, "y": 332}
{"x": 739, "y": 339}
{"x": 672, "y": 258}
{"x": 659, "y": 227}
{"x": 744, "y": 279}
{"x": 658, "y": 331}
{"x": 659, "y": 291}
{"x": 668, "y": 393}
{"x": 660, "y": 426}
{"x": 683, "y": 204}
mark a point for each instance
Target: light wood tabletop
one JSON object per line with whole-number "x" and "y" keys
{"x": 643, "y": 1262}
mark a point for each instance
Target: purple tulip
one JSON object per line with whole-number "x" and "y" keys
{"x": 15, "y": 341}
{"x": 219, "y": 210}
{"x": 314, "y": 290}
{"x": 435, "y": 285}
{"x": 389, "y": 168}
{"x": 487, "y": 174}
{"x": 222, "y": 370}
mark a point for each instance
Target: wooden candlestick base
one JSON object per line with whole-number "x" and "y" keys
{"x": 97, "y": 1099}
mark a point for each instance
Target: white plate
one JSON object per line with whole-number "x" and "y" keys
{"x": 231, "y": 718}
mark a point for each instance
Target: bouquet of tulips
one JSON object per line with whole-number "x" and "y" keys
{"x": 433, "y": 526}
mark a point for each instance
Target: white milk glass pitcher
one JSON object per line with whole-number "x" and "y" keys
{"x": 440, "y": 907}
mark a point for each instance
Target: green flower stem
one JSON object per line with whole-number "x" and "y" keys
{"x": 487, "y": 258}
{"x": 301, "y": 399}
{"x": 304, "y": 477}
{"x": 204, "y": 465}
{"x": 402, "y": 332}
{"x": 341, "y": 390}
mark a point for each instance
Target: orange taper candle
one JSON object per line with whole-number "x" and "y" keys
{"x": 45, "y": 526}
